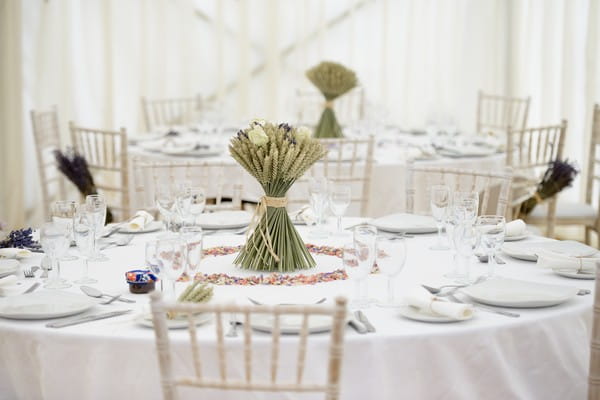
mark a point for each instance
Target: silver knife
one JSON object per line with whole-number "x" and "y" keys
{"x": 363, "y": 318}
{"x": 87, "y": 318}
{"x": 32, "y": 288}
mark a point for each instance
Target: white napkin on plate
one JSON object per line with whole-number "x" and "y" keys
{"x": 516, "y": 228}
{"x": 422, "y": 299}
{"x": 139, "y": 221}
{"x": 562, "y": 262}
{"x": 13, "y": 252}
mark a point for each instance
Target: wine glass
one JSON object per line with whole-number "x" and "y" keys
{"x": 317, "y": 189}
{"x": 83, "y": 230}
{"x": 492, "y": 229}
{"x": 391, "y": 257}
{"x": 95, "y": 205}
{"x": 465, "y": 206}
{"x": 170, "y": 261}
{"x": 190, "y": 204}
{"x": 364, "y": 246}
{"x": 440, "y": 196}
{"x": 165, "y": 201}
{"x": 152, "y": 262}
{"x": 55, "y": 241}
{"x": 192, "y": 245}
{"x": 339, "y": 200}
{"x": 466, "y": 240}
{"x": 63, "y": 212}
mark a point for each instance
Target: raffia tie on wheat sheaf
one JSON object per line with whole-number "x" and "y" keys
{"x": 265, "y": 201}
{"x": 328, "y": 104}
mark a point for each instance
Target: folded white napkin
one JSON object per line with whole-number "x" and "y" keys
{"x": 12, "y": 252}
{"x": 562, "y": 262}
{"x": 140, "y": 220}
{"x": 425, "y": 301}
{"x": 516, "y": 228}
{"x": 304, "y": 215}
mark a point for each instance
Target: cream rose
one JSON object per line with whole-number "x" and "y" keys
{"x": 258, "y": 136}
{"x": 303, "y": 132}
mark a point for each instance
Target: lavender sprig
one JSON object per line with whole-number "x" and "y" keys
{"x": 20, "y": 238}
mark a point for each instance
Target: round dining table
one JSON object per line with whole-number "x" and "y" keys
{"x": 542, "y": 354}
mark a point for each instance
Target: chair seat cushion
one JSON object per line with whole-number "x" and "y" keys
{"x": 566, "y": 210}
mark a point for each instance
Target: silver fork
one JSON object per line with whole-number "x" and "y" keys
{"x": 28, "y": 273}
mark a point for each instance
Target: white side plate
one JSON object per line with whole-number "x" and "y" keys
{"x": 44, "y": 305}
{"x": 291, "y": 324}
{"x": 409, "y": 223}
{"x": 177, "y": 323}
{"x": 416, "y": 314}
{"x": 224, "y": 220}
{"x": 150, "y": 227}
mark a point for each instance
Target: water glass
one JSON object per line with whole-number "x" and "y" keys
{"x": 190, "y": 202}
{"x": 55, "y": 241}
{"x": 317, "y": 189}
{"x": 63, "y": 212}
{"x": 365, "y": 247}
{"x": 170, "y": 261}
{"x": 165, "y": 202}
{"x": 440, "y": 198}
{"x": 465, "y": 206}
{"x": 492, "y": 229}
{"x": 152, "y": 262}
{"x": 192, "y": 238}
{"x": 95, "y": 205}
{"x": 339, "y": 200}
{"x": 466, "y": 240}
{"x": 391, "y": 257}
{"x": 83, "y": 230}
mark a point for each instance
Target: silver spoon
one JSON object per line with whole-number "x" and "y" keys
{"x": 93, "y": 292}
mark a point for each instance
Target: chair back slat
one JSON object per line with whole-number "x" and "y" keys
{"x": 497, "y": 113}
{"x": 493, "y": 187}
{"x": 46, "y": 133}
{"x": 195, "y": 348}
{"x": 106, "y": 154}
{"x": 349, "y": 161}
{"x": 170, "y": 382}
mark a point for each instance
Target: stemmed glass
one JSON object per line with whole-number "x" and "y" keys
{"x": 152, "y": 262}
{"x": 492, "y": 229}
{"x": 165, "y": 201}
{"x": 83, "y": 230}
{"x": 440, "y": 197}
{"x": 95, "y": 205}
{"x": 192, "y": 246}
{"x": 317, "y": 189}
{"x": 358, "y": 261}
{"x": 190, "y": 204}
{"x": 63, "y": 212}
{"x": 466, "y": 240}
{"x": 55, "y": 241}
{"x": 339, "y": 200}
{"x": 170, "y": 260}
{"x": 465, "y": 206}
{"x": 391, "y": 256}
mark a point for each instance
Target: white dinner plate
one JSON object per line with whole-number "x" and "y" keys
{"x": 519, "y": 294}
{"x": 8, "y": 266}
{"x": 516, "y": 238}
{"x": 528, "y": 250}
{"x": 409, "y": 223}
{"x": 417, "y": 314}
{"x": 44, "y": 305}
{"x": 466, "y": 151}
{"x": 574, "y": 275}
{"x": 150, "y": 227}
{"x": 224, "y": 220}
{"x": 145, "y": 319}
{"x": 291, "y": 323}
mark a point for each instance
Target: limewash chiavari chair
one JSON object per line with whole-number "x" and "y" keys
{"x": 528, "y": 152}
{"x": 217, "y": 179}
{"x": 497, "y": 113}
{"x": 106, "y": 154}
{"x": 196, "y": 378}
{"x": 594, "y": 372}
{"x": 348, "y": 108}
{"x": 577, "y": 213}
{"x": 46, "y": 133}
{"x": 493, "y": 187}
{"x": 169, "y": 112}
{"x": 349, "y": 162}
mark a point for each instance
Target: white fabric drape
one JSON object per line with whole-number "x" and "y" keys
{"x": 95, "y": 59}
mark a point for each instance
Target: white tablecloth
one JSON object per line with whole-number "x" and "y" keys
{"x": 388, "y": 189}
{"x": 541, "y": 355}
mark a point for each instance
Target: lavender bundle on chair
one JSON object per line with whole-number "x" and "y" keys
{"x": 559, "y": 175}
{"x": 75, "y": 168}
